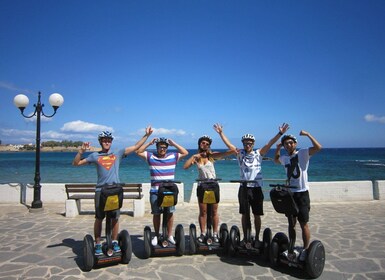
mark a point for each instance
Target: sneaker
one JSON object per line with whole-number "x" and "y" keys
{"x": 115, "y": 246}
{"x": 215, "y": 238}
{"x": 303, "y": 255}
{"x": 171, "y": 240}
{"x": 154, "y": 241}
{"x": 98, "y": 250}
{"x": 202, "y": 238}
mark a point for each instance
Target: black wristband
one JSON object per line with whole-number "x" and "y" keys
{"x": 280, "y": 133}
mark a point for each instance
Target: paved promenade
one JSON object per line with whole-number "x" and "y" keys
{"x": 47, "y": 245}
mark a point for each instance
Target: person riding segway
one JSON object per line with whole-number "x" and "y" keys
{"x": 111, "y": 199}
{"x": 250, "y": 244}
{"x": 167, "y": 197}
{"x": 282, "y": 248}
{"x": 208, "y": 193}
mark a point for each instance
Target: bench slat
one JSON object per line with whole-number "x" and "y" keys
{"x": 83, "y": 191}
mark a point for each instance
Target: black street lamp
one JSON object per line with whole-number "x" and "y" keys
{"x": 21, "y": 101}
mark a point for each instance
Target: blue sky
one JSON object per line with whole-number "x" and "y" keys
{"x": 181, "y": 66}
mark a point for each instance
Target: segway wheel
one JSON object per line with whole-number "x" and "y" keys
{"x": 223, "y": 235}
{"x": 234, "y": 240}
{"x": 315, "y": 259}
{"x": 273, "y": 254}
{"x": 180, "y": 241}
{"x": 147, "y": 242}
{"x": 125, "y": 245}
{"x": 266, "y": 243}
{"x": 88, "y": 252}
{"x": 193, "y": 237}
{"x": 282, "y": 240}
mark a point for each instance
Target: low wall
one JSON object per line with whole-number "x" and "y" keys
{"x": 54, "y": 192}
{"x": 319, "y": 192}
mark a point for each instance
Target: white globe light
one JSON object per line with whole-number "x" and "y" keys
{"x": 56, "y": 100}
{"x": 21, "y": 101}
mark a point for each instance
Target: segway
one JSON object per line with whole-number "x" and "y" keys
{"x": 168, "y": 196}
{"x": 282, "y": 248}
{"x": 210, "y": 189}
{"x": 111, "y": 199}
{"x": 235, "y": 246}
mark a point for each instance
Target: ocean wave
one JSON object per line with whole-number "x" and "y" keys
{"x": 374, "y": 164}
{"x": 367, "y": 160}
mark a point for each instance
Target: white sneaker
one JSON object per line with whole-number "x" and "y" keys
{"x": 154, "y": 241}
{"x": 303, "y": 255}
{"x": 171, "y": 240}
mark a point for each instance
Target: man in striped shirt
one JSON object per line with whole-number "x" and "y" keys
{"x": 162, "y": 167}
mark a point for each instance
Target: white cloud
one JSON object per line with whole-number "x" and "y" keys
{"x": 164, "y": 132}
{"x": 84, "y": 127}
{"x": 12, "y": 87}
{"x": 373, "y": 118}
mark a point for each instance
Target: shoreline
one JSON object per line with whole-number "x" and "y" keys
{"x": 10, "y": 148}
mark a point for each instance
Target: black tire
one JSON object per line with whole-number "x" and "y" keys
{"x": 282, "y": 240}
{"x": 235, "y": 236}
{"x": 233, "y": 241}
{"x": 125, "y": 246}
{"x": 193, "y": 237}
{"x": 180, "y": 240}
{"x": 273, "y": 254}
{"x": 266, "y": 243}
{"x": 223, "y": 235}
{"x": 315, "y": 259}
{"x": 147, "y": 242}
{"x": 88, "y": 252}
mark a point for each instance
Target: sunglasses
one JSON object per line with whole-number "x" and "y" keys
{"x": 248, "y": 144}
{"x": 162, "y": 148}
{"x": 289, "y": 142}
{"x": 205, "y": 143}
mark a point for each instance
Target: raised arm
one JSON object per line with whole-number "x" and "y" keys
{"x": 219, "y": 129}
{"x": 148, "y": 132}
{"x": 78, "y": 158}
{"x": 141, "y": 151}
{"x": 316, "y": 145}
{"x": 182, "y": 151}
{"x": 281, "y": 131}
{"x": 277, "y": 154}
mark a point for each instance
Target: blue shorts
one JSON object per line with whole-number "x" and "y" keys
{"x": 155, "y": 209}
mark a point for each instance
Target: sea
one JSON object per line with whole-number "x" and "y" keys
{"x": 330, "y": 164}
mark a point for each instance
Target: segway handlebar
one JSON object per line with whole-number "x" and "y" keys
{"x": 208, "y": 180}
{"x": 243, "y": 181}
{"x": 166, "y": 181}
{"x": 282, "y": 186}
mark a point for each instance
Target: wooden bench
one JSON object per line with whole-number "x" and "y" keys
{"x": 78, "y": 192}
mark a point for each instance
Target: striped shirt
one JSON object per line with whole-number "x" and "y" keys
{"x": 161, "y": 168}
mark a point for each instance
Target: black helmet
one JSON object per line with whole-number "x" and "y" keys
{"x": 161, "y": 140}
{"x": 288, "y": 136}
{"x": 204, "y": 138}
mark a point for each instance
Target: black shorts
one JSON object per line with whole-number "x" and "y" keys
{"x": 99, "y": 214}
{"x": 255, "y": 198}
{"x": 302, "y": 199}
{"x": 214, "y": 186}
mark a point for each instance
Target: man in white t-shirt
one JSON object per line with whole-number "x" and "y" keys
{"x": 296, "y": 163}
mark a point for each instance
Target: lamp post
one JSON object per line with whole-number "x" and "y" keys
{"x": 21, "y": 101}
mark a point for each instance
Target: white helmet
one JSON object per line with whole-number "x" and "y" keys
{"x": 248, "y": 137}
